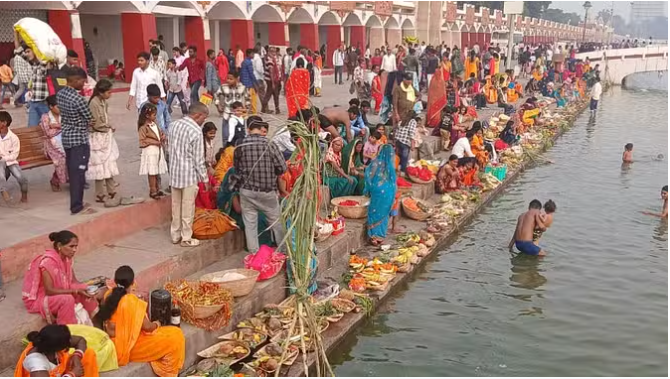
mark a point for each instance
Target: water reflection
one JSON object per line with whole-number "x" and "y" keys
{"x": 526, "y": 272}
{"x": 625, "y": 178}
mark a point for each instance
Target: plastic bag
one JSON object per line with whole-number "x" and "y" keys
{"x": 44, "y": 42}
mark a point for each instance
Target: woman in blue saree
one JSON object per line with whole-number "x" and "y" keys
{"x": 380, "y": 185}
{"x": 228, "y": 202}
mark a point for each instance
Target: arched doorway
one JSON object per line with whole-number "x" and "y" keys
{"x": 302, "y": 29}
{"x": 374, "y": 32}
{"x": 268, "y": 26}
{"x": 354, "y": 31}
{"x": 408, "y": 28}
{"x": 234, "y": 27}
{"x": 392, "y": 31}
{"x": 330, "y": 34}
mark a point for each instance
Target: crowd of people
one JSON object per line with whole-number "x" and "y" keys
{"x": 249, "y": 175}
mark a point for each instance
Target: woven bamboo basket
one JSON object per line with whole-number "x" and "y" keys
{"x": 204, "y": 311}
{"x": 237, "y": 288}
{"x": 414, "y": 215}
{"x": 419, "y": 181}
{"x": 356, "y": 211}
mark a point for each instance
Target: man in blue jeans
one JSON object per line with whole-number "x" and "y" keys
{"x": 338, "y": 63}
{"x": 75, "y": 119}
{"x": 404, "y": 138}
{"x": 37, "y": 104}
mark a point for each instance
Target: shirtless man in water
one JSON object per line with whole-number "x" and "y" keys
{"x": 525, "y": 227}
{"x": 336, "y": 116}
{"x": 664, "y": 212}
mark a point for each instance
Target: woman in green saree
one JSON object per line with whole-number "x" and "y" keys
{"x": 338, "y": 181}
{"x": 352, "y": 163}
{"x": 228, "y": 202}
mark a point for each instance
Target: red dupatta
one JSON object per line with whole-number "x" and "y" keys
{"x": 437, "y": 99}
{"x": 297, "y": 91}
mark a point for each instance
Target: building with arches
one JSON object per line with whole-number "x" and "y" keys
{"x": 121, "y": 29}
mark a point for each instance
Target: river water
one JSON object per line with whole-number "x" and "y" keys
{"x": 597, "y": 305}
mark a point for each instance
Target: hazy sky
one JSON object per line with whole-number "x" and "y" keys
{"x": 621, "y": 8}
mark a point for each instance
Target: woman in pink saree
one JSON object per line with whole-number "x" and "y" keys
{"x": 50, "y": 287}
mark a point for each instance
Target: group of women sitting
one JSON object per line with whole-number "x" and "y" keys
{"x": 107, "y": 330}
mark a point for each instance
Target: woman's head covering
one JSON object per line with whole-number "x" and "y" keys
{"x": 350, "y": 157}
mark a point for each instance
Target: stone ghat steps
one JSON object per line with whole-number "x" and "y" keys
{"x": 151, "y": 254}
{"x": 156, "y": 260}
{"x": 94, "y": 231}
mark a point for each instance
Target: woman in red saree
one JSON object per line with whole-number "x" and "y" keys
{"x": 376, "y": 88}
{"x": 437, "y": 99}
{"x": 50, "y": 287}
{"x": 297, "y": 89}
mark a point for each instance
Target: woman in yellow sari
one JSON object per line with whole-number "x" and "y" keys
{"x": 477, "y": 145}
{"x": 224, "y": 161}
{"x": 471, "y": 64}
{"x": 48, "y": 354}
{"x": 124, "y": 317}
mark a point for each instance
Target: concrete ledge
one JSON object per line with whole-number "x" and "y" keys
{"x": 93, "y": 233}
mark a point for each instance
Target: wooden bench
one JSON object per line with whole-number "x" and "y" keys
{"x": 32, "y": 147}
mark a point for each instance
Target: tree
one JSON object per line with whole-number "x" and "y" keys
{"x": 620, "y": 26}
{"x": 557, "y": 15}
{"x": 605, "y": 15}
{"x": 486, "y": 4}
{"x": 535, "y": 8}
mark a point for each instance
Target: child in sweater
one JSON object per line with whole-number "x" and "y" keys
{"x": 152, "y": 161}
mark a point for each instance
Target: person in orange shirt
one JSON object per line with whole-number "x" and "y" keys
{"x": 6, "y": 76}
{"x": 48, "y": 355}
{"x": 123, "y": 316}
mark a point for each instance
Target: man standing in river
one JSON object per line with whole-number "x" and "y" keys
{"x": 525, "y": 227}
{"x": 664, "y": 212}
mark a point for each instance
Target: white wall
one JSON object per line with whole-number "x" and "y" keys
{"x": 108, "y": 42}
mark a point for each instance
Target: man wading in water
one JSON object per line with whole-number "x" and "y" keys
{"x": 664, "y": 212}
{"x": 526, "y": 225}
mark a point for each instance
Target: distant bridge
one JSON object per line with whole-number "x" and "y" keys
{"x": 616, "y": 64}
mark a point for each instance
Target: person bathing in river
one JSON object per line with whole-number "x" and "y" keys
{"x": 547, "y": 219}
{"x": 525, "y": 229}
{"x": 627, "y": 153}
{"x": 664, "y": 212}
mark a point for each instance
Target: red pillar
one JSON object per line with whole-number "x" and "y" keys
{"x": 465, "y": 40}
{"x": 333, "y": 41}
{"x": 194, "y": 32}
{"x": 309, "y": 36}
{"x": 277, "y": 34}
{"x": 137, "y": 29}
{"x": 357, "y": 36}
{"x": 242, "y": 34}
{"x": 61, "y": 23}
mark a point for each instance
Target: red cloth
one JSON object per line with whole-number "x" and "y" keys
{"x": 437, "y": 99}
{"x": 297, "y": 91}
{"x": 376, "y": 61}
{"x": 222, "y": 66}
{"x": 204, "y": 199}
{"x": 111, "y": 69}
{"x": 500, "y": 145}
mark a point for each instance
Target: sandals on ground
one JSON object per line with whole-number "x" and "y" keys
{"x": 155, "y": 195}
{"x": 190, "y": 243}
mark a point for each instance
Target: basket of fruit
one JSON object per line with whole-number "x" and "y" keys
{"x": 415, "y": 209}
{"x": 200, "y": 300}
{"x": 351, "y": 206}
{"x": 227, "y": 352}
{"x": 253, "y": 338}
{"x": 421, "y": 175}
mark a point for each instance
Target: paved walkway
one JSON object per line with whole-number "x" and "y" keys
{"x": 48, "y": 211}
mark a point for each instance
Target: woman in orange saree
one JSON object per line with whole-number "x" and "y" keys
{"x": 123, "y": 316}
{"x": 48, "y": 354}
{"x": 297, "y": 89}
{"x": 477, "y": 145}
{"x": 224, "y": 161}
{"x": 437, "y": 99}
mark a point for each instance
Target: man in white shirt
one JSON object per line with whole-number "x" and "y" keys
{"x": 596, "y": 91}
{"x": 338, "y": 63}
{"x": 462, "y": 146}
{"x": 389, "y": 61}
{"x": 142, "y": 77}
{"x": 259, "y": 72}
{"x": 284, "y": 143}
{"x": 179, "y": 58}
